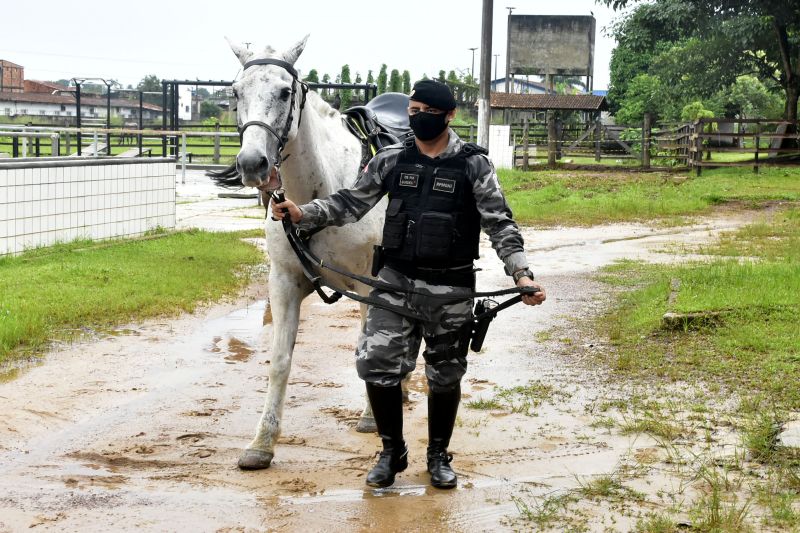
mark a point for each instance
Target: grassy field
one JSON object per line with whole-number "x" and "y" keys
{"x": 52, "y": 292}
{"x": 751, "y": 342}
{"x": 559, "y": 197}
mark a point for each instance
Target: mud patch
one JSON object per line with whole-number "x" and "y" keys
{"x": 346, "y": 416}
{"x": 114, "y": 461}
{"x": 106, "y": 482}
{"x": 298, "y": 485}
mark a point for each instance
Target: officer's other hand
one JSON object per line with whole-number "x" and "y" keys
{"x": 294, "y": 212}
{"x": 532, "y": 299}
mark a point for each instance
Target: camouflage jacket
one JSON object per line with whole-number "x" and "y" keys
{"x": 349, "y": 205}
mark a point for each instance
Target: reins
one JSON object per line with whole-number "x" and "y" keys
{"x": 310, "y": 262}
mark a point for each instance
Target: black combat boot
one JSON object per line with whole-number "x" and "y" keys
{"x": 442, "y": 409}
{"x": 387, "y": 406}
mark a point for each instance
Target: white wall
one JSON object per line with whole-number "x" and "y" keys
{"x": 500, "y": 150}
{"x": 43, "y": 202}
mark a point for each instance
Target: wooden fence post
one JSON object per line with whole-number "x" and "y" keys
{"x": 646, "y": 140}
{"x": 551, "y": 139}
{"x": 68, "y": 142}
{"x": 758, "y": 141}
{"x": 598, "y": 133}
{"x": 710, "y": 130}
{"x": 698, "y": 146}
{"x": 216, "y": 143}
{"x": 525, "y": 146}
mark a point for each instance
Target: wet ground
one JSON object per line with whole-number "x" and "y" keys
{"x": 140, "y": 428}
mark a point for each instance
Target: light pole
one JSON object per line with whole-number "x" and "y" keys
{"x": 472, "y": 71}
{"x": 484, "y": 105}
{"x": 508, "y": 49}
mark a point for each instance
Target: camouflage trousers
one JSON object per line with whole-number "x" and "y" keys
{"x": 389, "y": 343}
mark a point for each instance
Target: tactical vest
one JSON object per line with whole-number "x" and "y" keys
{"x": 432, "y": 222}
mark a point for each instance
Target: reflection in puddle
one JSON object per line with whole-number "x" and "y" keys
{"x": 238, "y": 350}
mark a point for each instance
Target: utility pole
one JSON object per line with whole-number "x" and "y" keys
{"x": 472, "y": 71}
{"x": 247, "y": 45}
{"x": 495, "y": 65}
{"x": 484, "y": 109}
{"x": 508, "y": 50}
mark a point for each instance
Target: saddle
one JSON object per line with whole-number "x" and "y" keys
{"x": 383, "y": 121}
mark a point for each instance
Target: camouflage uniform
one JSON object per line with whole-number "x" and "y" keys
{"x": 389, "y": 344}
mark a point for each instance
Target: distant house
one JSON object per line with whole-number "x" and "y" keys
{"x": 48, "y": 87}
{"x": 36, "y": 99}
{"x": 42, "y": 104}
{"x": 519, "y": 86}
{"x": 11, "y": 77}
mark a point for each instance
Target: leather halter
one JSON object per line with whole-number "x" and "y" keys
{"x": 283, "y": 136}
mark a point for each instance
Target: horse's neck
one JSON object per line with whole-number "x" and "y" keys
{"x": 318, "y": 163}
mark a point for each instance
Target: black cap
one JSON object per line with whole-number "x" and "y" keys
{"x": 434, "y": 93}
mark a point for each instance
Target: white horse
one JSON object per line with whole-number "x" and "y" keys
{"x": 320, "y": 157}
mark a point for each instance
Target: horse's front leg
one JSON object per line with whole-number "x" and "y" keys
{"x": 286, "y": 293}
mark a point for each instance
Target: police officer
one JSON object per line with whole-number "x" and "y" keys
{"x": 441, "y": 191}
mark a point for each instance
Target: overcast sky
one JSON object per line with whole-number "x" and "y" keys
{"x": 184, "y": 40}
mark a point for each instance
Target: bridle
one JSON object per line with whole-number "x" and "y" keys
{"x": 283, "y": 136}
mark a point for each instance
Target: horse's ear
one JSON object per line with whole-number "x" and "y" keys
{"x": 294, "y": 52}
{"x": 241, "y": 52}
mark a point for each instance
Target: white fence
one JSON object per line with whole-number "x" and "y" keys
{"x": 48, "y": 200}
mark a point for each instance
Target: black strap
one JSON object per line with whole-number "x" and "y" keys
{"x": 263, "y": 125}
{"x": 285, "y": 65}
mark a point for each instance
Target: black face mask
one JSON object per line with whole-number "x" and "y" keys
{"x": 427, "y": 126}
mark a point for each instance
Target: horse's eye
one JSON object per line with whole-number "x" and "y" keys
{"x": 285, "y": 94}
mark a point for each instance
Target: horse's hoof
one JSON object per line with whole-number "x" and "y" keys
{"x": 255, "y": 459}
{"x": 366, "y": 425}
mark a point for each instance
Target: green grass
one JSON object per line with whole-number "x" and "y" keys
{"x": 560, "y": 197}
{"x": 518, "y": 399}
{"x": 51, "y": 292}
{"x": 754, "y": 348}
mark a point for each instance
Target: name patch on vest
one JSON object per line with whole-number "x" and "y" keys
{"x": 443, "y": 185}
{"x": 409, "y": 180}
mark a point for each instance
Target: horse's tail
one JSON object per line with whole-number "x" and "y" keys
{"x": 228, "y": 178}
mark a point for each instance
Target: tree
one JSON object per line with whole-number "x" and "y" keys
{"x": 326, "y": 78}
{"x": 644, "y": 95}
{"x": 149, "y": 83}
{"x": 209, "y": 109}
{"x": 763, "y": 35}
{"x": 370, "y": 77}
{"x": 346, "y": 94}
{"x": 312, "y": 77}
{"x": 382, "y": 79}
{"x": 747, "y": 97}
{"x": 442, "y": 76}
{"x": 395, "y": 81}
{"x": 694, "y": 111}
{"x": 406, "y": 82}
{"x": 202, "y": 92}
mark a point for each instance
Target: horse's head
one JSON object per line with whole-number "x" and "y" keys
{"x": 266, "y": 110}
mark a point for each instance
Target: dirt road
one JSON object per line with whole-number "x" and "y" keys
{"x": 140, "y": 428}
